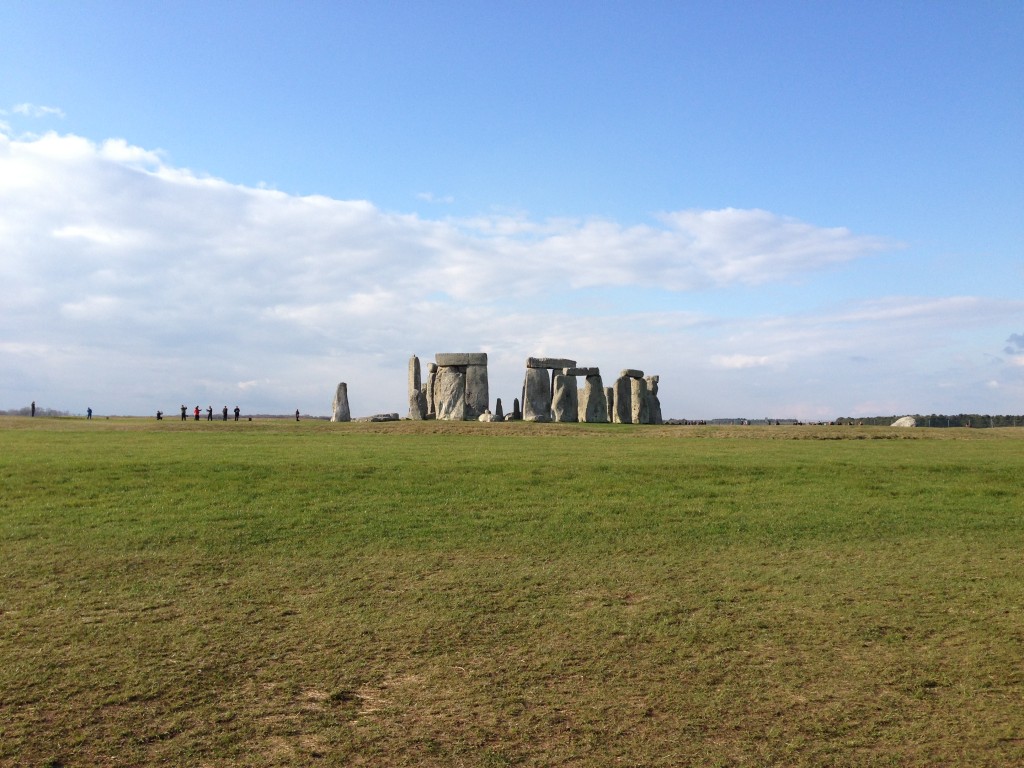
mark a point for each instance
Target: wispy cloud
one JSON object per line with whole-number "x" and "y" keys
{"x": 37, "y": 110}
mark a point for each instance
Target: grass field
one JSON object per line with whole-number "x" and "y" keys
{"x": 420, "y": 593}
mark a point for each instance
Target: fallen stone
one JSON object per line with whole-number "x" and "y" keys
{"x": 379, "y": 417}
{"x": 905, "y": 421}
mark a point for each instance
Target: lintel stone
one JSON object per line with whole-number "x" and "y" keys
{"x": 450, "y": 359}
{"x": 631, "y": 373}
{"x": 581, "y": 371}
{"x": 550, "y": 362}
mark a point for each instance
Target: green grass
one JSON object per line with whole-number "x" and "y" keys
{"x": 280, "y": 593}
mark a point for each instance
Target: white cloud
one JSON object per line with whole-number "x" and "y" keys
{"x": 129, "y": 279}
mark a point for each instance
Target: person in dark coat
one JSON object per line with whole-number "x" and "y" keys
{"x": 237, "y": 412}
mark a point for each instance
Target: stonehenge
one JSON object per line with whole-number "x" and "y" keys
{"x": 455, "y": 388}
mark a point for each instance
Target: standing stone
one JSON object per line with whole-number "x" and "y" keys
{"x": 428, "y": 388}
{"x": 653, "y": 403}
{"x": 517, "y": 414}
{"x": 609, "y": 396}
{"x": 638, "y": 401}
{"x": 623, "y": 412}
{"x": 537, "y": 399}
{"x": 339, "y": 408}
{"x": 593, "y": 407}
{"x": 477, "y": 397}
{"x": 417, "y": 396}
{"x": 565, "y": 403}
{"x": 450, "y": 394}
{"x": 499, "y": 414}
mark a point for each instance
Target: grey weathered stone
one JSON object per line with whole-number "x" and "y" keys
{"x": 428, "y": 390}
{"x": 449, "y": 359}
{"x": 477, "y": 396}
{"x": 450, "y": 394}
{"x": 379, "y": 417}
{"x": 417, "y": 397}
{"x": 593, "y": 407}
{"x": 550, "y": 362}
{"x": 581, "y": 371}
{"x": 623, "y": 411}
{"x": 609, "y": 395}
{"x": 537, "y": 400}
{"x": 517, "y": 413}
{"x": 499, "y": 414}
{"x": 638, "y": 401}
{"x": 565, "y": 402}
{"x": 632, "y": 373}
{"x": 339, "y": 408}
{"x": 653, "y": 403}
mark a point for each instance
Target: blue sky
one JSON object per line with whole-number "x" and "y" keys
{"x": 789, "y": 209}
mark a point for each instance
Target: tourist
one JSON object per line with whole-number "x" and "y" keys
{"x": 296, "y": 414}
{"x": 209, "y": 413}
{"x": 184, "y": 413}
{"x": 196, "y": 413}
{"x": 159, "y": 415}
{"x": 88, "y": 413}
{"x": 237, "y": 412}
{"x": 225, "y": 412}
{"x": 33, "y": 408}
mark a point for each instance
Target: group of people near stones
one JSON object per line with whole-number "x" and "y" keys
{"x": 209, "y": 413}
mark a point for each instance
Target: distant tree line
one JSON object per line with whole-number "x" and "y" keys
{"x": 27, "y": 411}
{"x": 974, "y": 420}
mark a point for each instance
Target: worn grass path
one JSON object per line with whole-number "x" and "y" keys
{"x": 281, "y": 593}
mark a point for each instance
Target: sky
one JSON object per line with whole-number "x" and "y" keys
{"x": 783, "y": 209}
